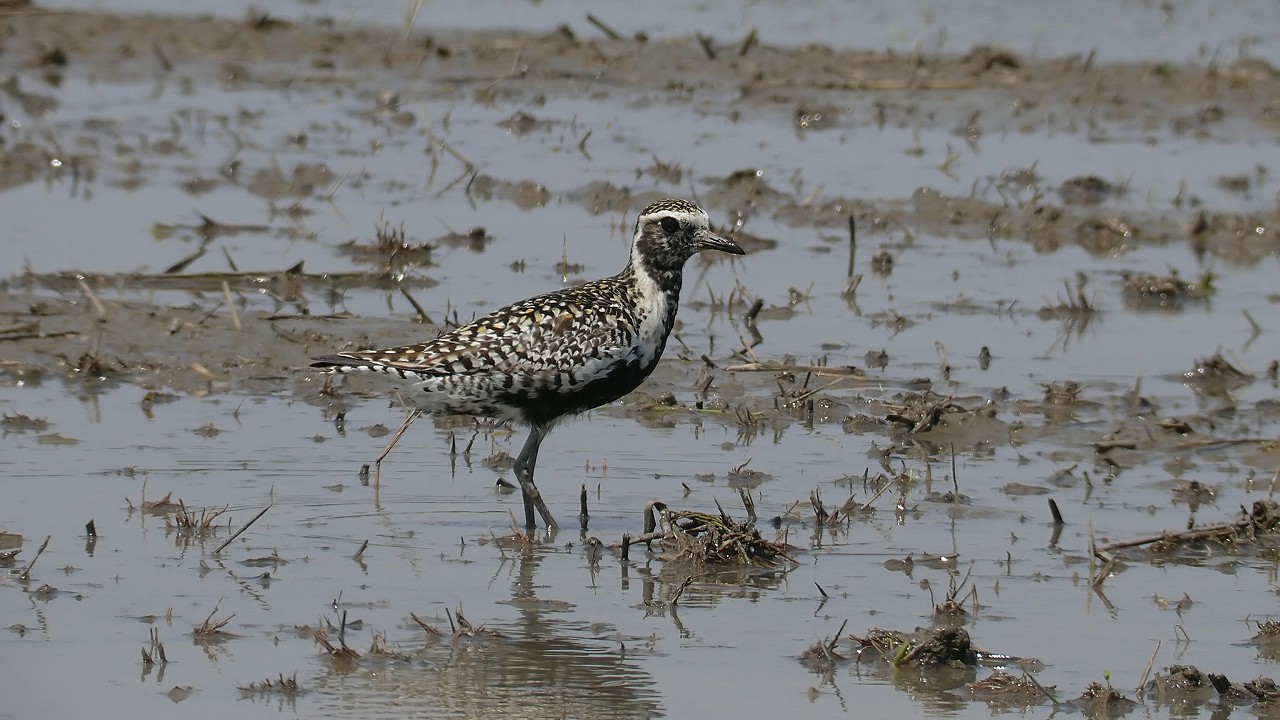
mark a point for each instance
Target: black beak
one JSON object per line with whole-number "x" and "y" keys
{"x": 711, "y": 241}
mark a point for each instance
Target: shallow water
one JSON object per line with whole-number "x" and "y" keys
{"x": 143, "y": 154}
{"x": 1176, "y": 31}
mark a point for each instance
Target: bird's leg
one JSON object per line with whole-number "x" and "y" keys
{"x": 524, "y": 474}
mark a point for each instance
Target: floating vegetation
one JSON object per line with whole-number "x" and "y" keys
{"x": 710, "y": 541}
{"x": 935, "y": 654}
{"x": 211, "y": 628}
{"x": 341, "y": 651}
{"x": 287, "y": 686}
{"x": 1074, "y": 305}
{"x": 391, "y": 254}
{"x": 1268, "y": 633}
{"x": 157, "y": 507}
{"x": 194, "y": 523}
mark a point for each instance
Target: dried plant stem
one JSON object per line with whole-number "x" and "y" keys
{"x": 241, "y": 530}
{"x": 231, "y": 303}
{"x": 377, "y": 464}
{"x": 93, "y": 299}
{"x": 26, "y": 571}
{"x": 1142, "y": 684}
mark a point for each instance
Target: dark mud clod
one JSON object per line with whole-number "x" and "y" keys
{"x": 1102, "y": 701}
{"x": 936, "y": 647}
{"x": 1088, "y": 190}
{"x": 1216, "y": 377}
{"x": 882, "y": 263}
{"x": 1165, "y": 291}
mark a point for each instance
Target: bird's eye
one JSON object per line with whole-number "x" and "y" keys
{"x": 670, "y": 225}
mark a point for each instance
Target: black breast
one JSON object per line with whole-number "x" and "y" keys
{"x": 550, "y": 405}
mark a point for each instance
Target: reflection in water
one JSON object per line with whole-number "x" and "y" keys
{"x": 517, "y": 675}
{"x": 540, "y": 666}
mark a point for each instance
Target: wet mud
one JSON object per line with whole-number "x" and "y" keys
{"x": 986, "y": 419}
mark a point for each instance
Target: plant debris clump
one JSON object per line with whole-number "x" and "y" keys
{"x": 287, "y": 686}
{"x": 1165, "y": 290}
{"x": 1102, "y": 701}
{"x": 932, "y": 648}
{"x": 1262, "y": 521}
{"x": 1000, "y": 689}
{"x": 714, "y": 541}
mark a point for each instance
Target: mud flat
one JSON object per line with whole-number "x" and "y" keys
{"x": 976, "y": 281}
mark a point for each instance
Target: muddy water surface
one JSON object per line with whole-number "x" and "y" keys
{"x": 1006, "y": 199}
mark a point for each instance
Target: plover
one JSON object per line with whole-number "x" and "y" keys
{"x": 557, "y": 354}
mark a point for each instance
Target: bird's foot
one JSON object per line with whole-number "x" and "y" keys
{"x": 533, "y": 501}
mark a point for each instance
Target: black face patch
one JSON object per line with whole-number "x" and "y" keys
{"x": 670, "y": 225}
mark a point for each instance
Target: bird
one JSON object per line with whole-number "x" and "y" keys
{"x": 558, "y": 354}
